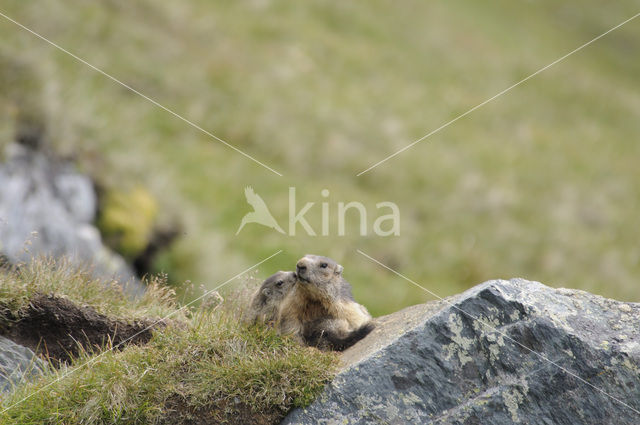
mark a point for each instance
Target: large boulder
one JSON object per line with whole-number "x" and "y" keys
{"x": 16, "y": 363}
{"x": 46, "y": 208}
{"x": 502, "y": 352}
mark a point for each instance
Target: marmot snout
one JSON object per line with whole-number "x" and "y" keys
{"x": 322, "y": 277}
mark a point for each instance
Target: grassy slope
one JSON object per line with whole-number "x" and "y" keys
{"x": 540, "y": 183}
{"x": 47, "y": 276}
{"x": 214, "y": 368}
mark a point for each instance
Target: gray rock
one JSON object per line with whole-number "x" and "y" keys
{"x": 16, "y": 363}
{"x": 502, "y": 352}
{"x": 47, "y": 209}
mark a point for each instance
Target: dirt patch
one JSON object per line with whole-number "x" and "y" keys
{"x": 178, "y": 412}
{"x": 54, "y": 326}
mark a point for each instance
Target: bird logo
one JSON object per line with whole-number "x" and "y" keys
{"x": 260, "y": 213}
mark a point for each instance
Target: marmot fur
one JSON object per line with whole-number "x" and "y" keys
{"x": 267, "y": 299}
{"x": 320, "y": 310}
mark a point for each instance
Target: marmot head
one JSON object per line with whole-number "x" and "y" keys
{"x": 318, "y": 271}
{"x": 276, "y": 286}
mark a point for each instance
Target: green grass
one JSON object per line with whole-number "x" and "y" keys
{"x": 540, "y": 183}
{"x": 59, "y": 277}
{"x": 210, "y": 365}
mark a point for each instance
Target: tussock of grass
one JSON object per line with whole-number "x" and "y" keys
{"x": 49, "y": 276}
{"x": 216, "y": 367}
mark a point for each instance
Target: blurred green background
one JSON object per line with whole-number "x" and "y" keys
{"x": 542, "y": 183}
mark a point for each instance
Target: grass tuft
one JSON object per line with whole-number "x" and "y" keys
{"x": 50, "y": 276}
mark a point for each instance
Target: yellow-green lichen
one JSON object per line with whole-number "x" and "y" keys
{"x": 127, "y": 220}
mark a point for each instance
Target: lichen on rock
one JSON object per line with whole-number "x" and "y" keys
{"x": 127, "y": 220}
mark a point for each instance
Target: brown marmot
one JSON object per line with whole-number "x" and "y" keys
{"x": 267, "y": 299}
{"x": 320, "y": 310}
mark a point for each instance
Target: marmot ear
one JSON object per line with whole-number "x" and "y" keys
{"x": 339, "y": 269}
{"x": 266, "y": 292}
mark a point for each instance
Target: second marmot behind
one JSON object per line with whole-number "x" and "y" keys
{"x": 320, "y": 310}
{"x": 267, "y": 299}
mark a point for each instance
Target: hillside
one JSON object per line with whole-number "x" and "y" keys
{"x": 540, "y": 183}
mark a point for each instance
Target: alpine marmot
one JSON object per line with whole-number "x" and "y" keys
{"x": 320, "y": 310}
{"x": 267, "y": 299}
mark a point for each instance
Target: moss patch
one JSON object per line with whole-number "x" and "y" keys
{"x": 127, "y": 220}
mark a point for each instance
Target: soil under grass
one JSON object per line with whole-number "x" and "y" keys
{"x": 58, "y": 329}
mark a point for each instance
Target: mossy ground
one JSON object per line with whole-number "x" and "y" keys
{"x": 206, "y": 366}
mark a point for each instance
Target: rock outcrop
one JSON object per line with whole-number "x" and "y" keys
{"x": 16, "y": 363}
{"x": 48, "y": 209}
{"x": 500, "y": 353}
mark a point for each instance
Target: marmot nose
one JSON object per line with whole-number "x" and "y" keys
{"x": 301, "y": 268}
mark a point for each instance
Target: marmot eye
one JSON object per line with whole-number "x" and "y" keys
{"x": 279, "y": 283}
{"x": 324, "y": 265}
